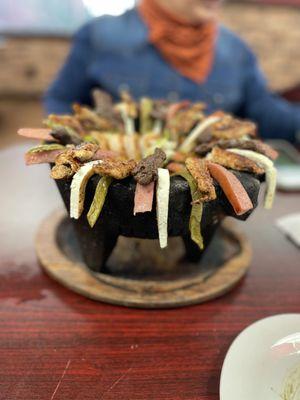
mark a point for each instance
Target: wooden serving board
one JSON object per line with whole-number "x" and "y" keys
{"x": 139, "y": 274}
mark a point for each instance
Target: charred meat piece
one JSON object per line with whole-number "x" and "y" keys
{"x": 229, "y": 127}
{"x": 254, "y": 145}
{"x": 260, "y": 147}
{"x": 63, "y": 136}
{"x": 199, "y": 170}
{"x": 205, "y": 148}
{"x": 146, "y": 170}
{"x": 117, "y": 169}
{"x": 234, "y": 161}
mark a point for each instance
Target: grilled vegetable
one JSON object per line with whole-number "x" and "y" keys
{"x": 188, "y": 143}
{"x": 271, "y": 173}
{"x": 78, "y": 186}
{"x": 46, "y": 147}
{"x": 196, "y": 211}
{"x": 98, "y": 200}
{"x": 146, "y": 106}
{"x": 162, "y": 204}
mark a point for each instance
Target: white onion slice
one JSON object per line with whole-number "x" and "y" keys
{"x": 270, "y": 170}
{"x": 78, "y": 185}
{"x": 187, "y": 144}
{"x": 162, "y": 205}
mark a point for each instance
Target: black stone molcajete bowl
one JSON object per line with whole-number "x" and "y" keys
{"x": 117, "y": 217}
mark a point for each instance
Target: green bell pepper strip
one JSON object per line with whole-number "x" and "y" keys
{"x": 98, "y": 200}
{"x": 196, "y": 212}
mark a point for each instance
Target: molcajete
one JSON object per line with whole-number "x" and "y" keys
{"x": 117, "y": 217}
{"x": 149, "y": 169}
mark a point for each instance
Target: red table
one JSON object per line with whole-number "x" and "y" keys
{"x": 58, "y": 345}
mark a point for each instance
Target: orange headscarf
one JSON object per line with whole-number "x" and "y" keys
{"x": 188, "y": 48}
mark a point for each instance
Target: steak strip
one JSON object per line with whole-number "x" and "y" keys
{"x": 146, "y": 170}
{"x": 254, "y": 145}
{"x": 199, "y": 171}
{"x": 117, "y": 169}
{"x": 234, "y": 161}
{"x": 229, "y": 127}
{"x": 64, "y": 137}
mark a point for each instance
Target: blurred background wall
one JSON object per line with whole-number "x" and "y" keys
{"x": 35, "y": 38}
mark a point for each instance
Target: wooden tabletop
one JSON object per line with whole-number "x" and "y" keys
{"x": 57, "y": 345}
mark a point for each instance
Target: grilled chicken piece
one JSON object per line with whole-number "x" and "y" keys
{"x": 199, "y": 171}
{"x": 234, "y": 161}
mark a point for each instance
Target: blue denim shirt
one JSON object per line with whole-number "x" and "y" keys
{"x": 114, "y": 52}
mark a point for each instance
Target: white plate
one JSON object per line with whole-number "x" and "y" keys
{"x": 263, "y": 362}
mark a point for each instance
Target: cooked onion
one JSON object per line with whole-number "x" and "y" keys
{"x": 270, "y": 170}
{"x": 162, "y": 204}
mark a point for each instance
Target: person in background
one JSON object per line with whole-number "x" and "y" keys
{"x": 172, "y": 49}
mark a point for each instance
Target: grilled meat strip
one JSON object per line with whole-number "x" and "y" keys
{"x": 64, "y": 137}
{"x": 199, "y": 170}
{"x": 117, "y": 169}
{"x": 255, "y": 145}
{"x": 234, "y": 161}
{"x": 229, "y": 127}
{"x": 68, "y": 162}
{"x": 146, "y": 170}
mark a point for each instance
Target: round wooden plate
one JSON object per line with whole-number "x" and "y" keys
{"x": 138, "y": 273}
